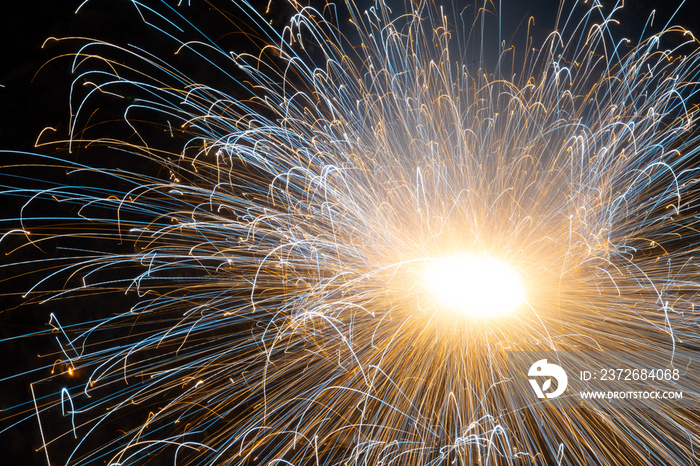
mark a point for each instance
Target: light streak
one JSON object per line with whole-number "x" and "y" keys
{"x": 276, "y": 256}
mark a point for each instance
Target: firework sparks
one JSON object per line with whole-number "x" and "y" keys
{"x": 290, "y": 261}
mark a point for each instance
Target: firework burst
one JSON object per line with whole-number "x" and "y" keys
{"x": 274, "y": 240}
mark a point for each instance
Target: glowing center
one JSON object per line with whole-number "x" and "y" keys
{"x": 478, "y": 286}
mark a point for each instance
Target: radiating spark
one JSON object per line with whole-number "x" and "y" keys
{"x": 254, "y": 262}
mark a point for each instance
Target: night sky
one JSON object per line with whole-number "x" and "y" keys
{"x": 34, "y": 97}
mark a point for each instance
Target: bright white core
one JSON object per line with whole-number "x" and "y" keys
{"x": 475, "y": 285}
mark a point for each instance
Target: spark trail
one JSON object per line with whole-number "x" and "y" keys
{"x": 274, "y": 237}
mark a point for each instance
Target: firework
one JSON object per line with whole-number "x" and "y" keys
{"x": 281, "y": 240}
